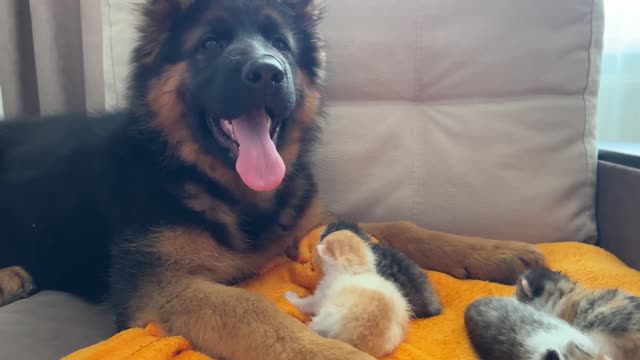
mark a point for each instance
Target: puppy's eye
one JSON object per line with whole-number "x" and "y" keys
{"x": 213, "y": 43}
{"x": 280, "y": 44}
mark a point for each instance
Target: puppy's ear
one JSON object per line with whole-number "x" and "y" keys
{"x": 160, "y": 14}
{"x": 310, "y": 10}
{"x": 157, "y": 18}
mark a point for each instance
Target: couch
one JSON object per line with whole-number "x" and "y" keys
{"x": 475, "y": 118}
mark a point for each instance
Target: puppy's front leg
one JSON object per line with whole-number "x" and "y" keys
{"x": 460, "y": 256}
{"x": 230, "y": 323}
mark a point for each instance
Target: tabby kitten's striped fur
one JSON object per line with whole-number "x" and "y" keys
{"x": 610, "y": 317}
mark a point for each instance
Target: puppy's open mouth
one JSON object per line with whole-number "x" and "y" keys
{"x": 252, "y": 138}
{"x": 223, "y": 130}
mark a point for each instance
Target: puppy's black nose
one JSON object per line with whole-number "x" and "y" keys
{"x": 265, "y": 71}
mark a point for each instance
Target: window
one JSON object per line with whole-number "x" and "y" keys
{"x": 619, "y": 101}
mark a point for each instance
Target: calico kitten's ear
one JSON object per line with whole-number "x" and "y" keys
{"x": 526, "y": 288}
{"x": 535, "y": 281}
{"x": 551, "y": 355}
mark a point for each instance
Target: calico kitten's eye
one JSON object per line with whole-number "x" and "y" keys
{"x": 211, "y": 43}
{"x": 280, "y": 44}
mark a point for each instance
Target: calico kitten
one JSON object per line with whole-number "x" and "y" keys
{"x": 399, "y": 269}
{"x": 502, "y": 328}
{"x": 611, "y": 317}
{"x": 352, "y": 303}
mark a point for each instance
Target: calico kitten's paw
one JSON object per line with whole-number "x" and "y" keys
{"x": 540, "y": 282}
{"x": 15, "y": 284}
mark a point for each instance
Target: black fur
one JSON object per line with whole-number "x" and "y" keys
{"x": 399, "y": 269}
{"x": 81, "y": 194}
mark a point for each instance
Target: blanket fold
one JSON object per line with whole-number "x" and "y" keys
{"x": 440, "y": 338}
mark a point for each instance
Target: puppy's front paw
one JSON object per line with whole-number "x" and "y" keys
{"x": 329, "y": 349}
{"x": 15, "y": 284}
{"x": 502, "y": 261}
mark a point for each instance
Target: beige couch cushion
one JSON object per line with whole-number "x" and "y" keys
{"x": 474, "y": 118}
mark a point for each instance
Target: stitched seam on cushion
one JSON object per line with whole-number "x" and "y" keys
{"x": 414, "y": 183}
{"x": 469, "y": 100}
{"x": 590, "y": 188}
{"x": 113, "y": 67}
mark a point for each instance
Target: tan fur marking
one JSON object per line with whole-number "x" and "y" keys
{"x": 307, "y": 112}
{"x": 195, "y": 252}
{"x": 15, "y": 284}
{"x": 165, "y": 102}
{"x": 366, "y": 333}
{"x": 273, "y": 14}
{"x": 198, "y": 200}
{"x": 194, "y": 36}
{"x": 276, "y": 17}
{"x": 303, "y": 116}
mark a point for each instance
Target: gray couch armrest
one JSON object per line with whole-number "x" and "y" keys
{"x": 618, "y": 206}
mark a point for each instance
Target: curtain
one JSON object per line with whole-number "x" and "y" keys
{"x": 619, "y": 100}
{"x": 51, "y": 56}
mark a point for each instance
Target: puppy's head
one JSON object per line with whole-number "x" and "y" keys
{"x": 236, "y": 81}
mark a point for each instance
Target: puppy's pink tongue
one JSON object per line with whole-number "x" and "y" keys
{"x": 259, "y": 164}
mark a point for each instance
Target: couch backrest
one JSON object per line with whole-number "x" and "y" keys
{"x": 470, "y": 117}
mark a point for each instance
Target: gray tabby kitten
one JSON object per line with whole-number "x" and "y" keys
{"x": 399, "y": 269}
{"x": 610, "y": 317}
{"x": 505, "y": 329}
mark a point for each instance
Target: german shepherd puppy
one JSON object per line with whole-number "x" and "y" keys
{"x": 203, "y": 180}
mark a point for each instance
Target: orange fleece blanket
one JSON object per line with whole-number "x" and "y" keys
{"x": 440, "y": 338}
